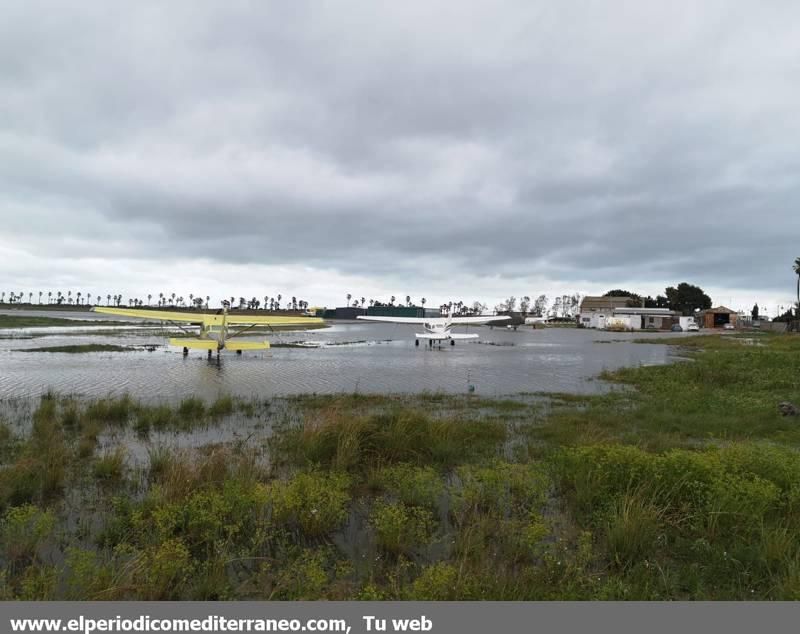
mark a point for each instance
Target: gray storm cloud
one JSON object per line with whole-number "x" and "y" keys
{"x": 590, "y": 142}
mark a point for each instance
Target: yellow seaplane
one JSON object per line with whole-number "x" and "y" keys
{"x": 217, "y": 331}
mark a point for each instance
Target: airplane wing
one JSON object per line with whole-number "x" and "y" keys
{"x": 208, "y": 319}
{"x": 396, "y": 320}
{"x": 479, "y": 319}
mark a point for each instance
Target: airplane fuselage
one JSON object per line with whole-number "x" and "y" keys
{"x": 438, "y": 329}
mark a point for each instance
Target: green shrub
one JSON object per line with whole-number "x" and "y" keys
{"x": 46, "y": 412}
{"x": 633, "y": 524}
{"x": 779, "y": 465}
{"x": 23, "y": 530}
{"x": 153, "y": 417}
{"x": 87, "y": 577}
{"x": 400, "y": 528}
{"x": 304, "y": 578}
{"x": 70, "y": 415}
{"x": 111, "y": 466}
{"x": 111, "y": 410}
{"x": 413, "y": 485}
{"x": 439, "y": 582}
{"x": 166, "y": 569}
{"x": 20, "y": 483}
{"x": 160, "y": 459}
{"x": 738, "y": 506}
{"x": 41, "y": 469}
{"x": 191, "y": 411}
{"x": 39, "y": 583}
{"x": 315, "y": 503}
{"x": 500, "y": 490}
{"x": 223, "y": 406}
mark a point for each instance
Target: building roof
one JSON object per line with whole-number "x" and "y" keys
{"x": 604, "y": 303}
{"x": 666, "y": 312}
{"x": 719, "y": 310}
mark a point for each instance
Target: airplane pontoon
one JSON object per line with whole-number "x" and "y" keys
{"x": 438, "y": 329}
{"x": 217, "y": 331}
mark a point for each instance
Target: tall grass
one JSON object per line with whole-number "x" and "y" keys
{"x": 339, "y": 440}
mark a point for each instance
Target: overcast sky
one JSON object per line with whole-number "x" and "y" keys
{"x": 451, "y": 150}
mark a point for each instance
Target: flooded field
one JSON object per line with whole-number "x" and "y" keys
{"x": 345, "y": 357}
{"x": 143, "y": 476}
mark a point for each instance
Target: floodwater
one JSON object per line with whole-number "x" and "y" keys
{"x": 346, "y": 357}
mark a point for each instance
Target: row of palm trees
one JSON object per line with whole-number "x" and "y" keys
{"x": 356, "y": 303}
{"x": 171, "y": 300}
{"x": 457, "y": 308}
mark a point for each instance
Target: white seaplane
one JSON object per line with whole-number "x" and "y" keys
{"x": 217, "y": 330}
{"x": 438, "y": 329}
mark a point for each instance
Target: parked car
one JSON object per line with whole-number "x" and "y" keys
{"x": 676, "y": 328}
{"x": 692, "y": 328}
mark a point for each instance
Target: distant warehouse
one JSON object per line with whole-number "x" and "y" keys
{"x": 642, "y": 318}
{"x": 620, "y": 313}
{"x": 351, "y": 312}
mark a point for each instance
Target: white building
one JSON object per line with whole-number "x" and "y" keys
{"x": 616, "y": 313}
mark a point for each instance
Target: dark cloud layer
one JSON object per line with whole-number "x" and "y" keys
{"x": 588, "y": 142}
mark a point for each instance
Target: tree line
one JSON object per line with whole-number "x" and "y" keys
{"x": 162, "y": 300}
{"x": 562, "y": 307}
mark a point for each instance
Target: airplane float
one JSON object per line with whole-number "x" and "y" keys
{"x": 217, "y": 331}
{"x": 438, "y": 328}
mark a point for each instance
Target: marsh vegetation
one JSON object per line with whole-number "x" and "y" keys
{"x": 684, "y": 484}
{"x": 36, "y": 321}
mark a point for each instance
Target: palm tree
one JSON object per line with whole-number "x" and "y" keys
{"x": 408, "y": 300}
{"x": 348, "y": 299}
{"x": 391, "y": 302}
{"x": 208, "y": 301}
{"x": 49, "y": 296}
{"x": 796, "y": 269}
